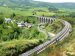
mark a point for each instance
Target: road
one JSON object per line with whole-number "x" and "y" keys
{"x": 60, "y": 36}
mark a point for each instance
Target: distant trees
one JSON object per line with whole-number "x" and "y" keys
{"x": 1, "y": 21}
{"x": 1, "y": 13}
{"x": 13, "y": 15}
{"x": 34, "y": 32}
{"x": 31, "y": 19}
{"x": 53, "y": 9}
{"x": 72, "y": 14}
{"x": 34, "y": 12}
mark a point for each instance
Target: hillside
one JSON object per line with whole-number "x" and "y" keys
{"x": 32, "y": 3}
{"x": 19, "y": 27}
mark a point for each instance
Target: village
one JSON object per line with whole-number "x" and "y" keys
{"x": 19, "y": 24}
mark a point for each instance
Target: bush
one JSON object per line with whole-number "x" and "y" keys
{"x": 1, "y": 21}
{"x": 16, "y": 47}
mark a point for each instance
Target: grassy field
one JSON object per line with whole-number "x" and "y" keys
{"x": 24, "y": 12}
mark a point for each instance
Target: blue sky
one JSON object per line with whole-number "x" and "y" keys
{"x": 57, "y": 1}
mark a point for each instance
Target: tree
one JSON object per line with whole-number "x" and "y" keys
{"x": 41, "y": 36}
{"x": 13, "y": 15}
{"x": 52, "y": 9}
{"x": 34, "y": 32}
{"x": 1, "y": 21}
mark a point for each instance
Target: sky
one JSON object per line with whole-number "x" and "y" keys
{"x": 57, "y": 1}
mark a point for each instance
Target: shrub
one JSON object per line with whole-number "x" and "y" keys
{"x": 16, "y": 47}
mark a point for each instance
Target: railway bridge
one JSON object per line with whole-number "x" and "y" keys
{"x": 45, "y": 19}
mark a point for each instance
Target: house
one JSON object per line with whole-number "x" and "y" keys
{"x": 26, "y": 24}
{"x": 7, "y": 20}
{"x": 22, "y": 24}
{"x": 29, "y": 25}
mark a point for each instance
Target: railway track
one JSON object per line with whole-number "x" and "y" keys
{"x": 60, "y": 36}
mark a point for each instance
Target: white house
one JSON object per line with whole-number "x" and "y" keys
{"x": 7, "y": 20}
{"x": 22, "y": 24}
{"x": 29, "y": 26}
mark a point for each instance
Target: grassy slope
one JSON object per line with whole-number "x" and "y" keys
{"x": 55, "y": 27}
{"x": 8, "y": 11}
{"x": 15, "y": 47}
{"x": 24, "y": 12}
